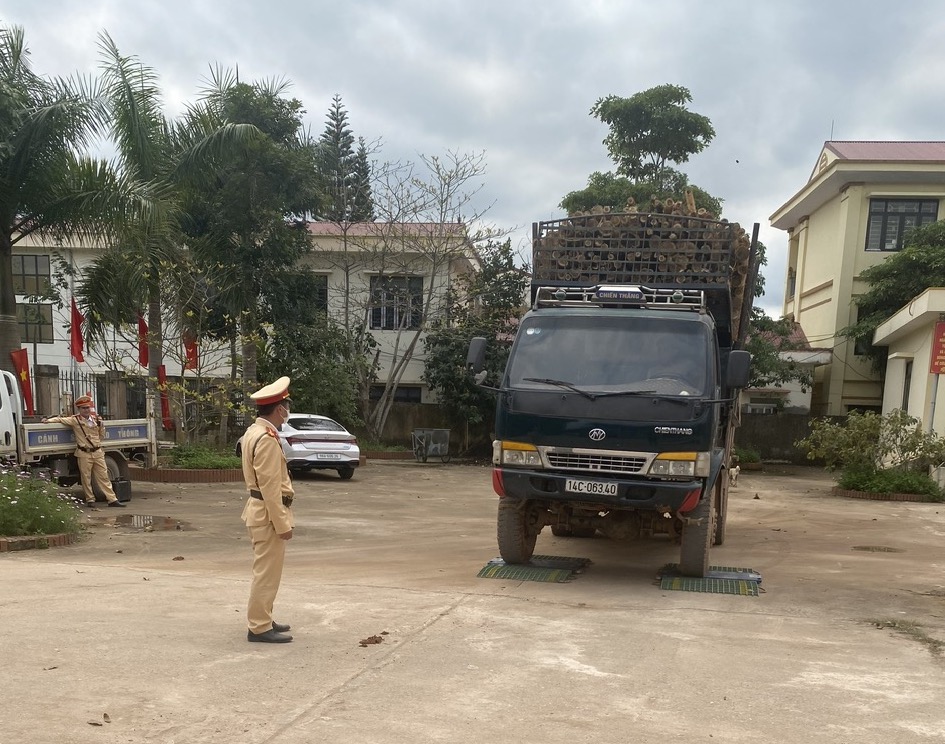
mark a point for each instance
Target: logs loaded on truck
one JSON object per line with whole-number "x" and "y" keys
{"x": 617, "y": 407}
{"x": 51, "y": 447}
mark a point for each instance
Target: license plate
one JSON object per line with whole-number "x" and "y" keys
{"x": 324, "y": 456}
{"x": 598, "y": 488}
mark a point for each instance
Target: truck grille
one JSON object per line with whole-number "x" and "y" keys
{"x": 597, "y": 462}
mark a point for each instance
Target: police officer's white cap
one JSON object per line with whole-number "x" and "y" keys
{"x": 272, "y": 393}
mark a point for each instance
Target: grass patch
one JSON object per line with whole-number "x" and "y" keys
{"x": 915, "y": 632}
{"x": 201, "y": 457}
{"x": 366, "y": 446}
{"x": 33, "y": 505}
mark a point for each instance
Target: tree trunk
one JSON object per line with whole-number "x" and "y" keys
{"x": 9, "y": 328}
{"x": 155, "y": 340}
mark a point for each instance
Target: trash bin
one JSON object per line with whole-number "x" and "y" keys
{"x": 122, "y": 489}
{"x": 429, "y": 443}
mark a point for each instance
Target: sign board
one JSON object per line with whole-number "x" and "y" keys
{"x": 937, "y": 362}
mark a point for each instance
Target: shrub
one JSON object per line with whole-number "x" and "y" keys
{"x": 745, "y": 454}
{"x": 868, "y": 442}
{"x": 889, "y": 481}
{"x": 201, "y": 457}
{"x": 33, "y": 505}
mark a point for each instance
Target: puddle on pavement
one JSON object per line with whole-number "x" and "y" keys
{"x": 877, "y": 549}
{"x": 143, "y": 522}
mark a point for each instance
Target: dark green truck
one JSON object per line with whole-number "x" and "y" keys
{"x": 617, "y": 407}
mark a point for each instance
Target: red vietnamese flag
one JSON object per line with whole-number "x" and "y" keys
{"x": 21, "y": 363}
{"x": 190, "y": 351}
{"x": 142, "y": 341}
{"x": 76, "y": 345}
{"x": 166, "y": 421}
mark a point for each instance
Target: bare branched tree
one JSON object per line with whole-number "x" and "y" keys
{"x": 427, "y": 221}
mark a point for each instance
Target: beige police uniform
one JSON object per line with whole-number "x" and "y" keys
{"x": 89, "y": 434}
{"x": 265, "y": 473}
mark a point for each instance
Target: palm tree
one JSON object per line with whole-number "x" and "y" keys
{"x": 156, "y": 160}
{"x": 44, "y": 183}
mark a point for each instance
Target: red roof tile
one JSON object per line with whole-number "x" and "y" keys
{"x": 903, "y": 151}
{"x": 361, "y": 229}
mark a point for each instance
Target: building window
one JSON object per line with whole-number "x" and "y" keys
{"x": 906, "y": 384}
{"x": 396, "y": 302}
{"x": 892, "y": 219}
{"x": 30, "y": 275}
{"x": 861, "y": 346}
{"x": 403, "y": 393}
{"x": 35, "y": 320}
{"x": 320, "y": 295}
{"x": 791, "y": 281}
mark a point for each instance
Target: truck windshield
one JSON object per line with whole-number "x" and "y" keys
{"x": 606, "y": 354}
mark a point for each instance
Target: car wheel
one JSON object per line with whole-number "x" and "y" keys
{"x": 345, "y": 473}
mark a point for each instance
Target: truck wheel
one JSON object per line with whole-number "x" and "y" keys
{"x": 584, "y": 531}
{"x": 696, "y": 537}
{"x": 559, "y": 531}
{"x": 114, "y": 473}
{"x": 721, "y": 510}
{"x": 516, "y": 531}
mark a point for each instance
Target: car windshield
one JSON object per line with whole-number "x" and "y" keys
{"x": 310, "y": 424}
{"x": 611, "y": 353}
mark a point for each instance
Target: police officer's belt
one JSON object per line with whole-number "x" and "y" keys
{"x": 286, "y": 497}
{"x": 88, "y": 449}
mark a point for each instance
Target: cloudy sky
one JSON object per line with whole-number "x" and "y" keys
{"x": 516, "y": 79}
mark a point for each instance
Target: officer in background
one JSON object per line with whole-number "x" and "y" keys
{"x": 268, "y": 510}
{"x": 89, "y": 431}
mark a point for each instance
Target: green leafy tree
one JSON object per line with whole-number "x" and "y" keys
{"x": 44, "y": 122}
{"x": 767, "y": 338}
{"x": 487, "y": 303}
{"x": 650, "y": 130}
{"x": 245, "y": 213}
{"x": 316, "y": 357}
{"x": 895, "y": 282}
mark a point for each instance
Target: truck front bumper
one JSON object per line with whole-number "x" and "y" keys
{"x": 643, "y": 494}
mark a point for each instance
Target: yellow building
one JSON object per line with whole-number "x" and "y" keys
{"x": 860, "y": 201}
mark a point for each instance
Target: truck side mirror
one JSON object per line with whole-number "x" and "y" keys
{"x": 476, "y": 358}
{"x": 738, "y": 369}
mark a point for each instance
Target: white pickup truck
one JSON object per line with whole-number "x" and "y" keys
{"x": 51, "y": 446}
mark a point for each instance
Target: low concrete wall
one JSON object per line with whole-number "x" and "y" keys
{"x": 870, "y": 496}
{"x": 772, "y": 435}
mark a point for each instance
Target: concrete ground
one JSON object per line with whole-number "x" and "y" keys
{"x": 143, "y": 623}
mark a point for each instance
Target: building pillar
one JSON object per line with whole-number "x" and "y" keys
{"x": 46, "y": 394}
{"x": 116, "y": 396}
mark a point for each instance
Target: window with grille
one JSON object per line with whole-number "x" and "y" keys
{"x": 320, "y": 295}
{"x": 396, "y": 302}
{"x": 892, "y": 219}
{"x": 906, "y": 386}
{"x": 35, "y": 321}
{"x": 30, "y": 274}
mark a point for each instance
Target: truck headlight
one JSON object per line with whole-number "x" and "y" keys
{"x": 515, "y": 454}
{"x": 681, "y": 465}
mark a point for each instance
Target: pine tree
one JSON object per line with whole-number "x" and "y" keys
{"x": 345, "y": 172}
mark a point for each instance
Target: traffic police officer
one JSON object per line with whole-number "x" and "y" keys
{"x": 89, "y": 431}
{"x": 268, "y": 510}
